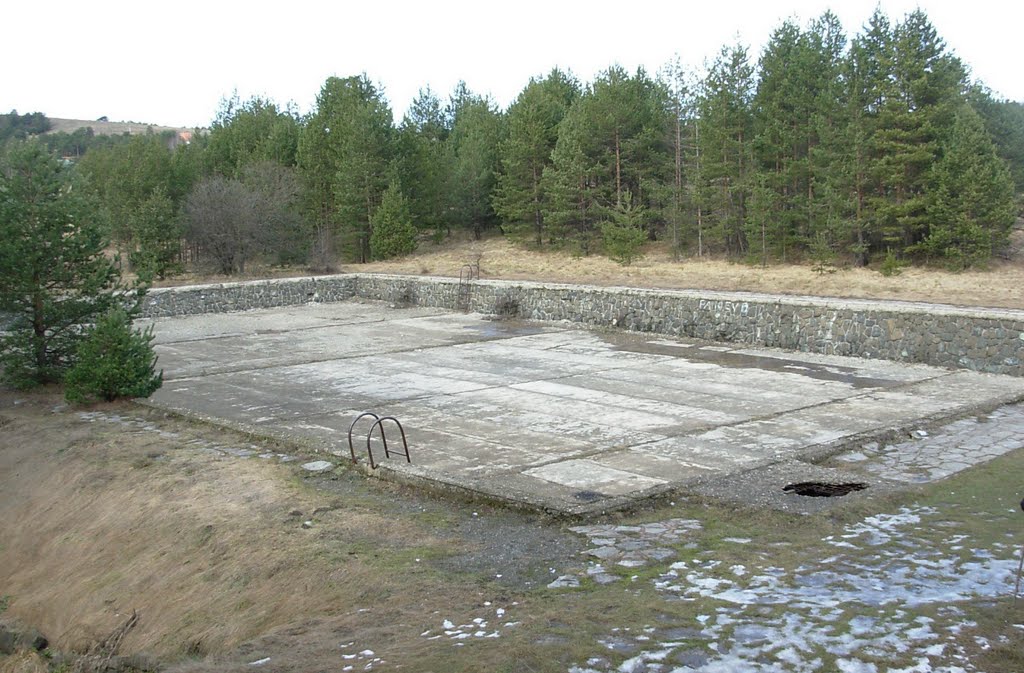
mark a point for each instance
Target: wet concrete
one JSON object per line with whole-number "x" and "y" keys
{"x": 729, "y": 357}
{"x": 543, "y": 415}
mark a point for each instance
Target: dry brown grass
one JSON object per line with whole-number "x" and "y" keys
{"x": 1000, "y": 286}
{"x": 108, "y": 128}
{"x": 97, "y": 521}
{"x": 24, "y": 662}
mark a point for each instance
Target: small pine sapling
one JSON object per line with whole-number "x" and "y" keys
{"x": 114, "y": 361}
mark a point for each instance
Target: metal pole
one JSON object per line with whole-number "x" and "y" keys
{"x": 1020, "y": 566}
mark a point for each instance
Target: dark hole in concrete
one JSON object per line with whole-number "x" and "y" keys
{"x": 588, "y": 496}
{"x": 819, "y": 489}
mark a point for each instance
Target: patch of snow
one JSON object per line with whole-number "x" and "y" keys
{"x": 853, "y": 605}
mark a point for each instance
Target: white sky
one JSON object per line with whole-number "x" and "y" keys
{"x": 171, "y": 63}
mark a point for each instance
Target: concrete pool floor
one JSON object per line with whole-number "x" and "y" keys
{"x": 546, "y": 415}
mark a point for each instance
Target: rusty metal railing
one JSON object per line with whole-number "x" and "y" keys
{"x": 388, "y": 452}
{"x": 467, "y": 274}
{"x": 351, "y": 448}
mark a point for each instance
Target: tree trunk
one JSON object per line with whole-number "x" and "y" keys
{"x": 618, "y": 171}
{"x": 39, "y": 327}
{"x": 678, "y": 188}
{"x": 538, "y": 216}
{"x": 700, "y": 213}
{"x": 364, "y": 239}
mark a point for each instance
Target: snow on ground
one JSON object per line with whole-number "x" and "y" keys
{"x": 487, "y": 624}
{"x": 854, "y": 606}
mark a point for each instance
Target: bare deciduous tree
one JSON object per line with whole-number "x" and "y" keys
{"x": 222, "y": 217}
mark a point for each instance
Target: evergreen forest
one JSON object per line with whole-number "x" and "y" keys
{"x": 872, "y": 149}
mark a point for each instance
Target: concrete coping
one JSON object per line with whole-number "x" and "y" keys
{"x": 899, "y": 306}
{"x": 837, "y": 303}
{"x": 229, "y": 285}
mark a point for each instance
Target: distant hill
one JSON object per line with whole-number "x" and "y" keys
{"x": 110, "y": 128}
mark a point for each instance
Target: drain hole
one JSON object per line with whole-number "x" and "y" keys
{"x": 818, "y": 489}
{"x": 588, "y": 496}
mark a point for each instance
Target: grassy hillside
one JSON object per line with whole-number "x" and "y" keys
{"x": 108, "y": 128}
{"x": 1001, "y": 285}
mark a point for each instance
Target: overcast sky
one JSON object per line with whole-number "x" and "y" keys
{"x": 172, "y": 63}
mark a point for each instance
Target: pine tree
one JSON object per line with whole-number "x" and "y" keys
{"x": 673, "y": 79}
{"x": 125, "y": 176}
{"x": 925, "y": 86}
{"x": 1004, "y": 120}
{"x": 422, "y": 163}
{"x": 780, "y": 124}
{"x": 796, "y": 109}
{"x": 344, "y": 153}
{"x": 572, "y": 214}
{"x": 157, "y": 237}
{"x": 628, "y": 116}
{"x": 612, "y": 142}
{"x": 828, "y": 199}
{"x": 477, "y": 129}
{"x": 113, "y": 361}
{"x": 866, "y": 86}
{"x": 393, "y": 231}
{"x": 971, "y": 206}
{"x": 622, "y": 231}
{"x": 250, "y": 132}
{"x": 533, "y": 119}
{"x": 726, "y": 127}
{"x": 54, "y": 277}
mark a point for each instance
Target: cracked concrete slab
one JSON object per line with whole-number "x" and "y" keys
{"x": 564, "y": 419}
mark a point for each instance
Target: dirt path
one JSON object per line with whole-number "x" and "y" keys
{"x": 237, "y": 559}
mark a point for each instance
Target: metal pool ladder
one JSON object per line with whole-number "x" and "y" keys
{"x": 379, "y": 421}
{"x": 467, "y": 274}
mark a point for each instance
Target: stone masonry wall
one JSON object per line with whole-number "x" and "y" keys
{"x": 225, "y": 297}
{"x": 989, "y": 340}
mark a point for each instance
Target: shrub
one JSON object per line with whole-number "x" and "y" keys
{"x": 623, "y": 234}
{"x": 393, "y": 232}
{"x": 622, "y": 243}
{"x": 891, "y": 266}
{"x": 113, "y": 361}
{"x": 823, "y": 255}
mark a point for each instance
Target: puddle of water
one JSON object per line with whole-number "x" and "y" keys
{"x": 504, "y": 329}
{"x": 729, "y": 358}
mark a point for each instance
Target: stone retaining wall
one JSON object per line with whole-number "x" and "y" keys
{"x": 225, "y": 297}
{"x": 989, "y": 340}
